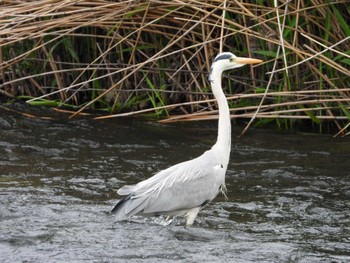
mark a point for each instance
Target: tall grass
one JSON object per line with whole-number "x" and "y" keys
{"x": 127, "y": 57}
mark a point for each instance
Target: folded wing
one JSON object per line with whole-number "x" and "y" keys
{"x": 179, "y": 188}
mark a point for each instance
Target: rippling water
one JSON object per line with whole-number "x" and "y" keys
{"x": 289, "y": 194}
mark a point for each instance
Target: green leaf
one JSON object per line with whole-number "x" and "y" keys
{"x": 260, "y": 90}
{"x": 343, "y": 24}
{"x": 345, "y": 111}
{"x": 313, "y": 117}
{"x": 345, "y": 61}
{"x": 266, "y": 53}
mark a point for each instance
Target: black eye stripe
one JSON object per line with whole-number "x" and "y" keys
{"x": 223, "y": 56}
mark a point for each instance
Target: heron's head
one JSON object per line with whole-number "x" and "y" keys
{"x": 227, "y": 60}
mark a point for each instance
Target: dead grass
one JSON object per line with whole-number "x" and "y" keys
{"x": 130, "y": 57}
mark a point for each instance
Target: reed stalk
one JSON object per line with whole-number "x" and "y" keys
{"x": 130, "y": 57}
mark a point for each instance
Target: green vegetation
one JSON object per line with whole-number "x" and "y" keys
{"x": 141, "y": 56}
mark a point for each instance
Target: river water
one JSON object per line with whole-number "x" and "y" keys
{"x": 288, "y": 193}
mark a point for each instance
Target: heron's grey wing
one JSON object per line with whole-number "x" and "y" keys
{"x": 188, "y": 187}
{"x": 126, "y": 190}
{"x": 182, "y": 186}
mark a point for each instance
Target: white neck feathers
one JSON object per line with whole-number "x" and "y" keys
{"x": 223, "y": 143}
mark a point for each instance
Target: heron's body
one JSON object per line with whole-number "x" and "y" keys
{"x": 183, "y": 189}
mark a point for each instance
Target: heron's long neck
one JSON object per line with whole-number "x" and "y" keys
{"x": 223, "y": 143}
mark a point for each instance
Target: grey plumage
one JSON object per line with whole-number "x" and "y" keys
{"x": 183, "y": 189}
{"x": 170, "y": 192}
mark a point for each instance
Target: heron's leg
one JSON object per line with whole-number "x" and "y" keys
{"x": 168, "y": 220}
{"x": 191, "y": 215}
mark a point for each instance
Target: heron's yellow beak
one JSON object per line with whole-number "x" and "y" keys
{"x": 244, "y": 61}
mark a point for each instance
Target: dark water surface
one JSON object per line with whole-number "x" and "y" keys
{"x": 289, "y": 194}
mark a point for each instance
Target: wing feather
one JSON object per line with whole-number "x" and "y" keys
{"x": 182, "y": 186}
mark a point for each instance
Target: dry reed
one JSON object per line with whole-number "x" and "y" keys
{"x": 141, "y": 56}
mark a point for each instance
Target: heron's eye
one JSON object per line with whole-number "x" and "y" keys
{"x": 232, "y": 59}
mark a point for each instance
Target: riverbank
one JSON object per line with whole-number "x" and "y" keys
{"x": 126, "y": 57}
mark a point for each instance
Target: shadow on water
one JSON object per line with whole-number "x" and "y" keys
{"x": 288, "y": 194}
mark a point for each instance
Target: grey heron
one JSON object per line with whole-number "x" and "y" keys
{"x": 183, "y": 189}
